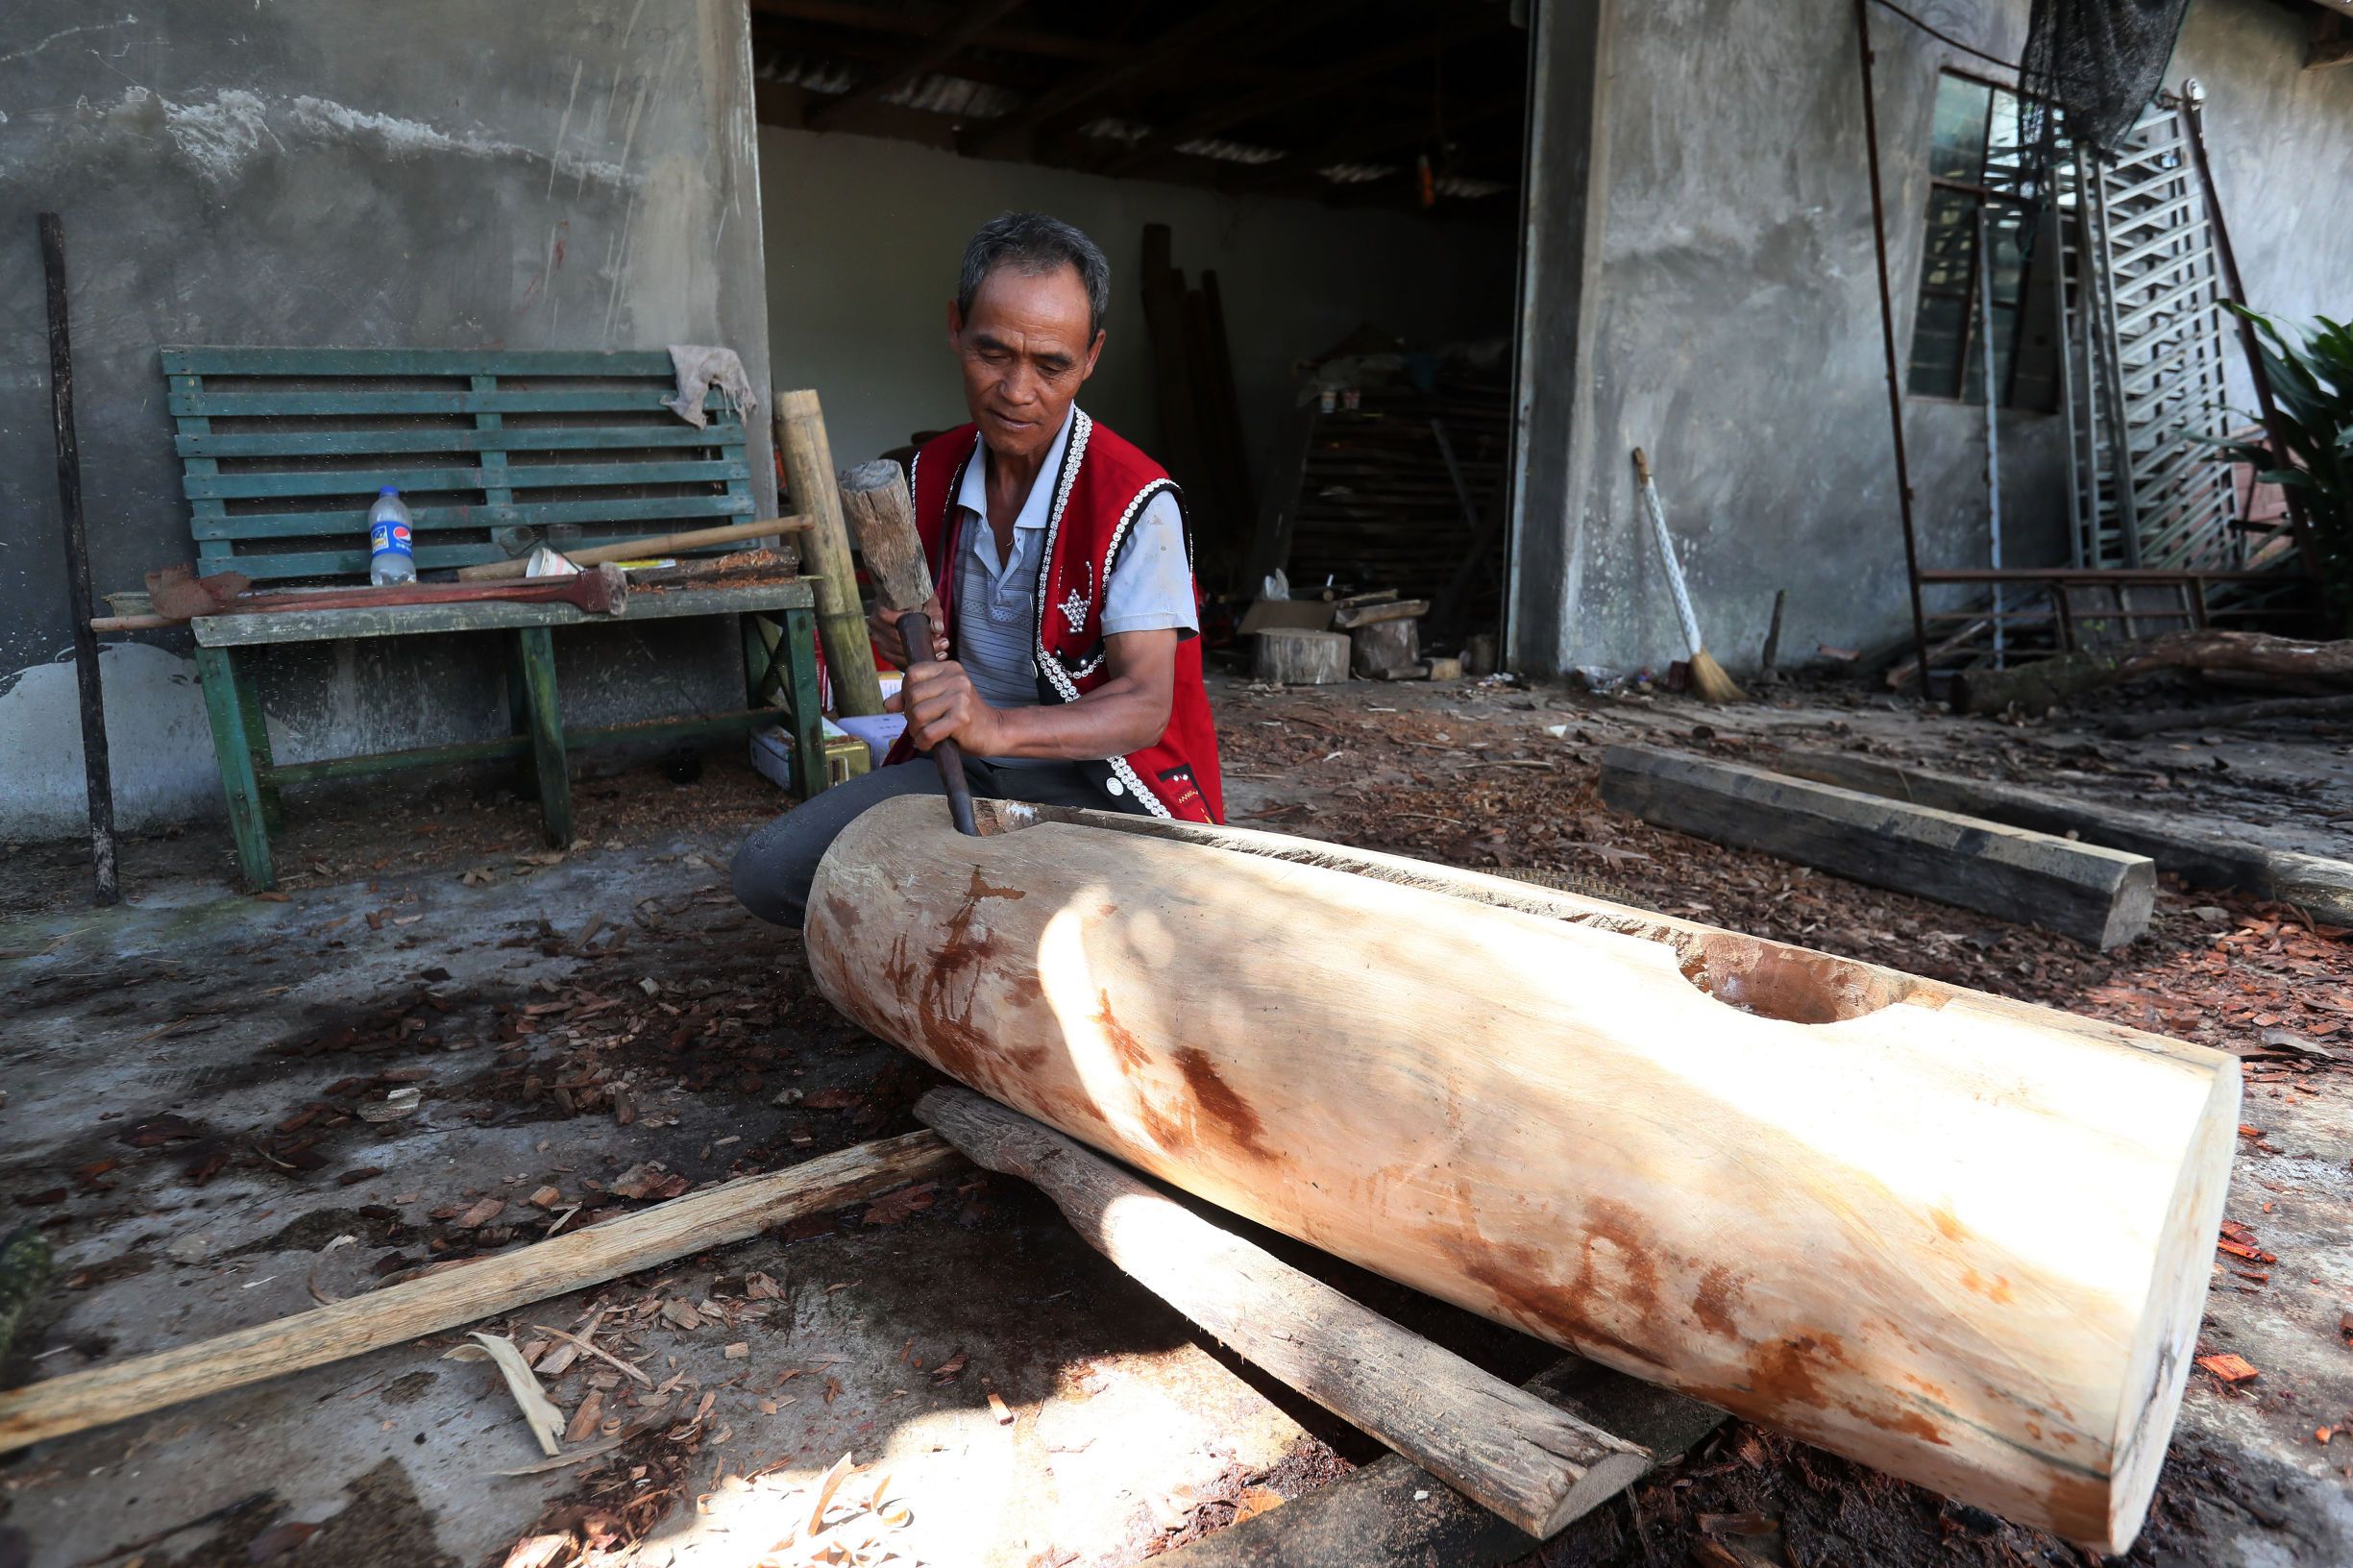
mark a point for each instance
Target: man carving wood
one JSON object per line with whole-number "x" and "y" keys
{"x": 1066, "y": 621}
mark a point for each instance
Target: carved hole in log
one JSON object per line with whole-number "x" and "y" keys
{"x": 1785, "y": 983}
{"x": 1768, "y": 979}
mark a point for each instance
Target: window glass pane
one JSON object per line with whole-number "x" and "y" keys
{"x": 1952, "y": 243}
{"x": 2007, "y": 229}
{"x": 2006, "y": 320}
{"x": 1936, "y": 346}
{"x": 2006, "y": 161}
{"x": 1957, "y": 148}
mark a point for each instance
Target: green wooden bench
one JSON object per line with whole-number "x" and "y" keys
{"x": 283, "y": 450}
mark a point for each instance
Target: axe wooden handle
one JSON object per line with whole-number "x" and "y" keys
{"x": 876, "y": 501}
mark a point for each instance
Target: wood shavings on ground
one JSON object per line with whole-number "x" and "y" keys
{"x": 539, "y": 1414}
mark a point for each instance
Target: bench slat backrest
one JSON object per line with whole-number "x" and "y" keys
{"x": 283, "y": 450}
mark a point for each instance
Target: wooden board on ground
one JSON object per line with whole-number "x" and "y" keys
{"x": 2320, "y": 886}
{"x": 1811, "y": 1190}
{"x": 1293, "y": 657}
{"x": 732, "y": 1211}
{"x": 1529, "y": 1462}
{"x": 1392, "y": 1513}
{"x": 2102, "y": 897}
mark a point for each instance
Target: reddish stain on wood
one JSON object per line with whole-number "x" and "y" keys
{"x": 1124, "y": 1045}
{"x": 1218, "y": 1102}
{"x": 1947, "y": 1225}
{"x": 1998, "y": 1292}
{"x": 1718, "y": 1300}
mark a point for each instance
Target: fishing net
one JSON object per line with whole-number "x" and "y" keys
{"x": 2091, "y": 67}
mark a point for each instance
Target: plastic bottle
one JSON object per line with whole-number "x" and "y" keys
{"x": 390, "y": 556}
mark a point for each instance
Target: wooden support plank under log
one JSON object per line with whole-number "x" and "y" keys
{"x": 1526, "y": 1460}
{"x": 1813, "y": 1191}
{"x": 2101, "y": 898}
{"x": 732, "y": 1211}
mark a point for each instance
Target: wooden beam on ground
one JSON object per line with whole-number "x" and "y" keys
{"x": 1527, "y": 1460}
{"x": 1394, "y": 1514}
{"x": 953, "y": 36}
{"x": 733, "y": 1211}
{"x": 840, "y": 624}
{"x": 2098, "y": 897}
{"x": 2320, "y": 886}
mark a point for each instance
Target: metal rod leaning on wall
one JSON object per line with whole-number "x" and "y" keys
{"x": 2194, "y": 115}
{"x": 94, "y": 763}
{"x": 1993, "y": 436}
{"x": 1887, "y": 334}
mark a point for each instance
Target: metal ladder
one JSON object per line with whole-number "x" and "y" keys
{"x": 2143, "y": 318}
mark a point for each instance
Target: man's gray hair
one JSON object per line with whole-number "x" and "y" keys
{"x": 1032, "y": 243}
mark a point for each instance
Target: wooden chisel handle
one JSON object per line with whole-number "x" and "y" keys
{"x": 915, "y": 629}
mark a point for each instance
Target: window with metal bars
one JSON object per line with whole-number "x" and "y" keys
{"x": 1983, "y": 213}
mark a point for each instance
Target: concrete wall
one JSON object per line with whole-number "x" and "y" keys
{"x": 433, "y": 174}
{"x": 1731, "y": 315}
{"x": 866, "y": 323}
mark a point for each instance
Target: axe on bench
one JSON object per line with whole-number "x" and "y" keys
{"x": 875, "y": 499}
{"x": 601, "y": 590}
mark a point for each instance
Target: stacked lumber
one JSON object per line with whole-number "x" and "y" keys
{"x": 1371, "y": 500}
{"x": 1954, "y": 1237}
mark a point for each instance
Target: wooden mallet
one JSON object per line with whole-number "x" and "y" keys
{"x": 875, "y": 503}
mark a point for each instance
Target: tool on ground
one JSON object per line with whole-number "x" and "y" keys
{"x": 630, "y": 549}
{"x": 603, "y": 591}
{"x": 875, "y": 499}
{"x": 1707, "y": 677}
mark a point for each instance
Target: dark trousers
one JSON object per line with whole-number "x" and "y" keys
{"x": 775, "y": 866}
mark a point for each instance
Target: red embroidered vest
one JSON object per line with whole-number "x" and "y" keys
{"x": 1101, "y": 489}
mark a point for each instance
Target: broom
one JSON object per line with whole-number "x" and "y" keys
{"x": 1707, "y": 677}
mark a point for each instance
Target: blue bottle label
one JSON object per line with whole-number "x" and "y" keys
{"x": 389, "y": 536}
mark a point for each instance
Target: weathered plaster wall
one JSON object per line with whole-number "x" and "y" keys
{"x": 1734, "y": 328}
{"x": 2281, "y": 138}
{"x": 867, "y": 323}
{"x": 433, "y": 174}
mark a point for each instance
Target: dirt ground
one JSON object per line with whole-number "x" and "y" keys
{"x": 207, "y": 1114}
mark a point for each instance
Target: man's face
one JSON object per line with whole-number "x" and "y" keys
{"x": 1024, "y": 352}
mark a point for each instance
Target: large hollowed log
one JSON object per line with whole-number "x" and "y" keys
{"x": 1958, "y": 1238}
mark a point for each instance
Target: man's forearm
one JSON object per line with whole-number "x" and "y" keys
{"x": 1115, "y": 719}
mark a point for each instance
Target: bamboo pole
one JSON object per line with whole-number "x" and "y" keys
{"x": 840, "y": 625}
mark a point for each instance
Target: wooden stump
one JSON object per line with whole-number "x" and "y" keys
{"x": 1301, "y": 658}
{"x": 1958, "y": 1238}
{"x": 1382, "y": 645}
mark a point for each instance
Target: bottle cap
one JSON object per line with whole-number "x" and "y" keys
{"x": 389, "y": 490}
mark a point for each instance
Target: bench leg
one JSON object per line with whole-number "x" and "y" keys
{"x": 763, "y": 664}
{"x": 257, "y": 741}
{"x": 519, "y": 717}
{"x": 232, "y": 748}
{"x": 536, "y": 652}
{"x": 808, "y": 718}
